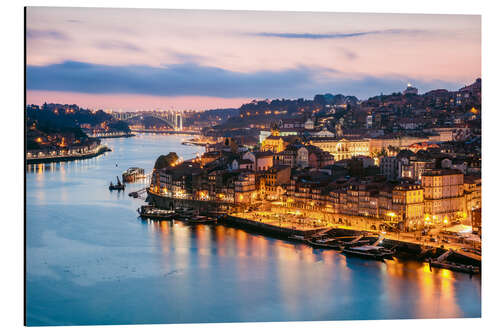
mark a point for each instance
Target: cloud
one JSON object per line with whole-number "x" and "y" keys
{"x": 183, "y": 57}
{"x": 117, "y": 45}
{"x": 46, "y": 34}
{"x": 292, "y": 35}
{"x": 348, "y": 54}
{"x": 190, "y": 79}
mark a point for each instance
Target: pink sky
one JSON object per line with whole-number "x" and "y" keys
{"x": 133, "y": 101}
{"x": 345, "y": 49}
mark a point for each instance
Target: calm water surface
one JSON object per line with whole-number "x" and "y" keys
{"x": 91, "y": 260}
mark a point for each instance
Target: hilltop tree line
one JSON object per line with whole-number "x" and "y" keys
{"x": 52, "y": 122}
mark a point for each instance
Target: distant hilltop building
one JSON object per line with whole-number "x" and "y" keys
{"x": 410, "y": 90}
{"x": 471, "y": 91}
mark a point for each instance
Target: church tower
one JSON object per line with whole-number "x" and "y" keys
{"x": 275, "y": 130}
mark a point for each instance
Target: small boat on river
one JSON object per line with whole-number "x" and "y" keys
{"x": 133, "y": 174}
{"x": 454, "y": 266}
{"x": 118, "y": 186}
{"x": 299, "y": 238}
{"x": 368, "y": 252}
{"x": 202, "y": 219}
{"x": 152, "y": 212}
{"x": 185, "y": 214}
{"x": 442, "y": 262}
{"x": 356, "y": 241}
{"x": 322, "y": 244}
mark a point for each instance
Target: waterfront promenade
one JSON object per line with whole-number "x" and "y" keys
{"x": 275, "y": 218}
{"x": 69, "y": 156}
{"x": 152, "y": 131}
{"x": 303, "y": 220}
{"x": 110, "y": 135}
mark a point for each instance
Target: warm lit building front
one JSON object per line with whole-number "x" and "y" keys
{"x": 274, "y": 142}
{"x": 472, "y": 193}
{"x": 444, "y": 196}
{"x": 379, "y": 144}
{"x": 318, "y": 158}
{"x": 273, "y": 182}
{"x": 244, "y": 188}
{"x": 342, "y": 149}
{"x": 261, "y": 160}
{"x": 408, "y": 205}
{"x": 295, "y": 156}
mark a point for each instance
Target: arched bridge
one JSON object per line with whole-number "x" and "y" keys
{"x": 174, "y": 119}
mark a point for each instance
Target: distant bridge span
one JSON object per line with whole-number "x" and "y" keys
{"x": 173, "y": 119}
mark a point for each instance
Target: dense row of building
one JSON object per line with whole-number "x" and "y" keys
{"x": 402, "y": 161}
{"x": 406, "y": 191}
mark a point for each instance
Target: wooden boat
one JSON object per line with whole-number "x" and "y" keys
{"x": 470, "y": 269}
{"x": 202, "y": 219}
{"x": 356, "y": 241}
{"x": 217, "y": 214}
{"x": 118, "y": 186}
{"x": 324, "y": 245}
{"x": 297, "y": 238}
{"x": 133, "y": 174}
{"x": 387, "y": 253}
{"x": 184, "y": 214}
{"x": 366, "y": 251}
{"x": 152, "y": 212}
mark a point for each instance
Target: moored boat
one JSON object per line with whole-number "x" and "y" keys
{"x": 355, "y": 241}
{"x": 202, "y": 219}
{"x": 185, "y": 214}
{"x": 297, "y": 237}
{"x": 367, "y": 252}
{"x": 454, "y": 266}
{"x": 324, "y": 245}
{"x": 152, "y": 212}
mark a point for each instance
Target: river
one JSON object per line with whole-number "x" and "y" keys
{"x": 91, "y": 260}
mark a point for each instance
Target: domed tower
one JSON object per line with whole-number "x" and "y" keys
{"x": 410, "y": 90}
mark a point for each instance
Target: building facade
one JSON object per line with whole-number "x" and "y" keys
{"x": 444, "y": 196}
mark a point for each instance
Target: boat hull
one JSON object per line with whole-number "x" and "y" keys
{"x": 324, "y": 246}
{"x": 364, "y": 255}
{"x": 455, "y": 267}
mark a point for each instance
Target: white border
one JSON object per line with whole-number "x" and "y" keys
{"x": 11, "y": 292}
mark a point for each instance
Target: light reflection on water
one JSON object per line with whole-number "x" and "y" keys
{"x": 92, "y": 261}
{"x": 432, "y": 293}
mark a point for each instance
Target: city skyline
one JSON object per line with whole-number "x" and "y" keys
{"x": 191, "y": 61}
{"x": 267, "y": 166}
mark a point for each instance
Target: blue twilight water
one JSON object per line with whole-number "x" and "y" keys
{"x": 91, "y": 260}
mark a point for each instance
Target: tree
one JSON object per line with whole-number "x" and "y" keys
{"x": 382, "y": 153}
{"x": 165, "y": 161}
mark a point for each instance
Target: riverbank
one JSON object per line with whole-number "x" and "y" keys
{"x": 113, "y": 136}
{"x": 455, "y": 260}
{"x": 65, "y": 158}
{"x": 195, "y": 142}
{"x": 282, "y": 230}
{"x": 268, "y": 229}
{"x": 165, "y": 132}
